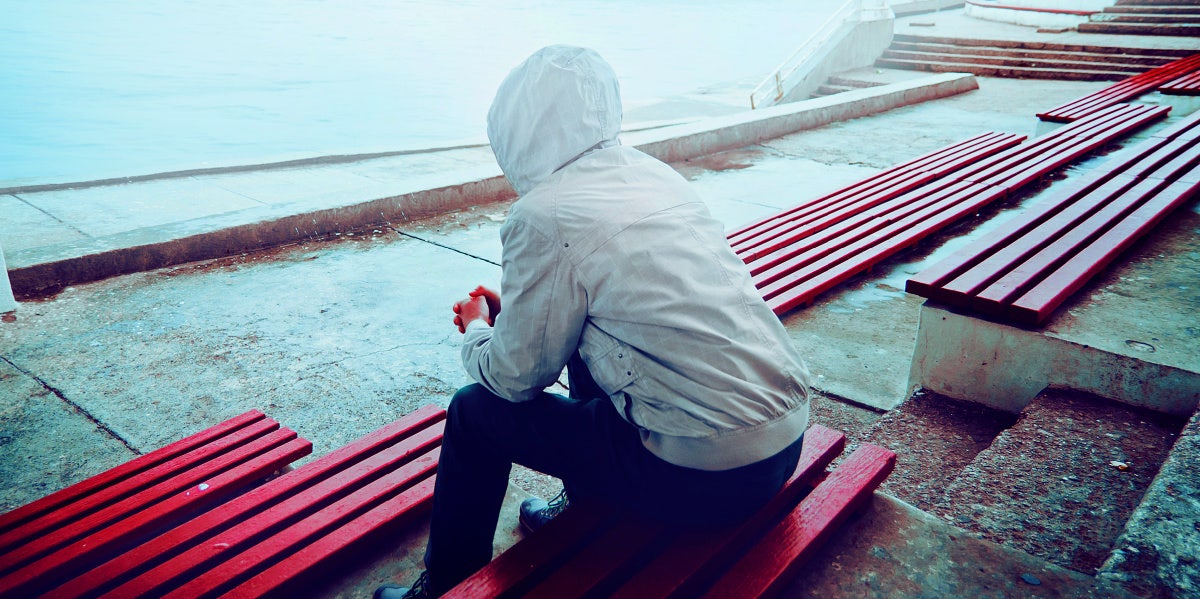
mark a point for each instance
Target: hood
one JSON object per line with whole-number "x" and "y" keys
{"x": 551, "y": 109}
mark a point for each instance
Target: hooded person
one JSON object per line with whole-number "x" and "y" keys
{"x": 688, "y": 401}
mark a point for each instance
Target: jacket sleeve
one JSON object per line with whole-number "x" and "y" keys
{"x": 543, "y": 311}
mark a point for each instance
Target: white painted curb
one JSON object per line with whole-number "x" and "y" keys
{"x": 8, "y": 303}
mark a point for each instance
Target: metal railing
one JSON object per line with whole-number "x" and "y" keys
{"x": 771, "y": 89}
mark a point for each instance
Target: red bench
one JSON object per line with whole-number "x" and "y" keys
{"x": 1187, "y": 85}
{"x": 194, "y": 518}
{"x": 1028, "y": 267}
{"x": 800, "y": 253}
{"x": 1123, "y": 90}
{"x": 589, "y": 550}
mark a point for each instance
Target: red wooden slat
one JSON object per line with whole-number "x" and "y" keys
{"x": 1018, "y": 280}
{"x": 411, "y": 434}
{"x": 936, "y": 163}
{"x": 1122, "y": 90}
{"x": 398, "y": 511}
{"x": 1018, "y": 250}
{"x": 773, "y": 562}
{"x": 117, "y": 475}
{"x": 682, "y": 566}
{"x": 57, "y": 567}
{"x": 33, "y": 562}
{"x": 869, "y": 251}
{"x": 1036, "y": 306}
{"x": 1187, "y": 128}
{"x": 1171, "y": 167}
{"x": 614, "y": 548}
{"x": 529, "y": 559}
{"x": 40, "y": 536}
{"x": 238, "y": 566}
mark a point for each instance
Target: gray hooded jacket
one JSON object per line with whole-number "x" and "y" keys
{"x": 609, "y": 252}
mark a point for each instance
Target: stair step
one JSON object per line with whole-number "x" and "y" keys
{"x": 1175, "y": 19}
{"x": 1034, "y": 45}
{"x": 829, "y": 90}
{"x": 1061, "y": 483}
{"x": 1011, "y": 72}
{"x": 1045, "y": 62}
{"x": 936, "y": 438}
{"x": 1140, "y": 61}
{"x": 1154, "y": 10}
{"x": 1156, "y": 2}
{"x": 1140, "y": 29}
{"x": 851, "y": 83}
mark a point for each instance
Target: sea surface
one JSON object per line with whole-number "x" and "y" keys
{"x": 93, "y": 90}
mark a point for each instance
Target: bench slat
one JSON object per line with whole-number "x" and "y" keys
{"x": 614, "y": 549}
{"x": 1036, "y": 306}
{"x": 300, "y": 532}
{"x": 1019, "y": 279}
{"x": 41, "y": 561}
{"x": 399, "y": 511}
{"x": 118, "y": 477}
{"x": 679, "y": 570}
{"x": 41, "y": 536}
{"x": 774, "y": 561}
{"x": 173, "y": 542}
{"x": 1123, "y": 90}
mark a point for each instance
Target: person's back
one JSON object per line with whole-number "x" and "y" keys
{"x": 688, "y": 402}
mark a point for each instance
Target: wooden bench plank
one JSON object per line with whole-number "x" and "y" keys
{"x": 1017, "y": 249}
{"x": 869, "y": 251}
{"x": 403, "y": 433}
{"x": 933, "y": 164}
{"x": 78, "y": 518}
{"x": 679, "y": 570}
{"x": 1121, "y": 91}
{"x": 614, "y": 549}
{"x": 1036, "y": 306}
{"x": 1188, "y": 85}
{"x": 301, "y": 530}
{"x": 114, "y": 478}
{"x": 402, "y": 510}
{"x": 36, "y": 561}
{"x": 1019, "y": 279}
{"x": 771, "y": 565}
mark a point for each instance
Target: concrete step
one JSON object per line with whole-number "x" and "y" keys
{"x": 1037, "y": 45}
{"x": 1161, "y": 19}
{"x": 829, "y": 90}
{"x": 1009, "y": 72}
{"x": 935, "y": 437}
{"x": 1062, "y": 482}
{"x": 1156, "y": 2}
{"x": 1063, "y": 62}
{"x": 1190, "y": 9}
{"x": 1140, "y": 29}
{"x": 1131, "y": 60}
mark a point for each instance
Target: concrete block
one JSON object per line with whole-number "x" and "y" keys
{"x": 1005, "y": 367}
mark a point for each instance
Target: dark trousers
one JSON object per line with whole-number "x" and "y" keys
{"x": 593, "y": 450}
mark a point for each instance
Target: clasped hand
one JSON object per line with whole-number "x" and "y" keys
{"x": 481, "y": 304}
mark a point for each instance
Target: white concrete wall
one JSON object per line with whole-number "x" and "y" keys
{"x": 982, "y": 9}
{"x": 7, "y": 302}
{"x": 857, "y": 45}
{"x": 1005, "y": 367}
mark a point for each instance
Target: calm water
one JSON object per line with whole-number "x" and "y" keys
{"x": 104, "y": 89}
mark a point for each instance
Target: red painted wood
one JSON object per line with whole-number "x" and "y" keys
{"x": 682, "y": 568}
{"x": 33, "y": 563}
{"x": 1036, "y": 306}
{"x": 532, "y": 558}
{"x": 1175, "y": 160}
{"x": 120, "y": 474}
{"x": 899, "y": 179}
{"x": 410, "y": 433}
{"x": 869, "y": 251}
{"x": 1122, "y": 90}
{"x": 38, "y": 537}
{"x": 1024, "y": 276}
{"x": 772, "y": 563}
{"x": 400, "y": 511}
{"x": 613, "y": 549}
{"x": 248, "y": 554}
